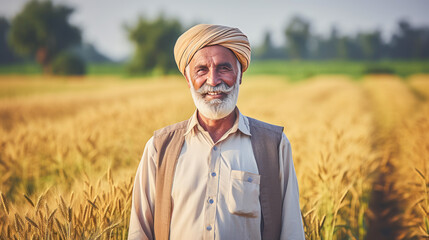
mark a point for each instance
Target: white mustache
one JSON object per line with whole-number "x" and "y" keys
{"x": 223, "y": 88}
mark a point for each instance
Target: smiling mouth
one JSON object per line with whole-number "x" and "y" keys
{"x": 214, "y": 93}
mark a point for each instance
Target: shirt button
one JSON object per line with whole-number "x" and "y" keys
{"x": 211, "y": 201}
{"x": 215, "y": 148}
{"x": 213, "y": 174}
{"x": 209, "y": 228}
{"x": 249, "y": 179}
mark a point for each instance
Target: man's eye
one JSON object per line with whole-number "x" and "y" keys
{"x": 200, "y": 71}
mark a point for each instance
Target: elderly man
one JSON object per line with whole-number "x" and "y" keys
{"x": 220, "y": 174}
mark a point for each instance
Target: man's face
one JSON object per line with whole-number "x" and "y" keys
{"x": 213, "y": 76}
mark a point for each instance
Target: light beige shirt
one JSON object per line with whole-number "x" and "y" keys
{"x": 215, "y": 192}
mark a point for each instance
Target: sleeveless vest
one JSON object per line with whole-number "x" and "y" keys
{"x": 265, "y": 140}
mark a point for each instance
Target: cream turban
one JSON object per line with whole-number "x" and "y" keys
{"x": 203, "y": 35}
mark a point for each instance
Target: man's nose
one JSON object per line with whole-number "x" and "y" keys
{"x": 213, "y": 79}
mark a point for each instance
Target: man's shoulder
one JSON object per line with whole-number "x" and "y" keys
{"x": 264, "y": 125}
{"x": 171, "y": 128}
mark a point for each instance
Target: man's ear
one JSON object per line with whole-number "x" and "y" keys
{"x": 188, "y": 81}
{"x": 240, "y": 70}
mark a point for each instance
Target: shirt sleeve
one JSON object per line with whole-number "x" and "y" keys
{"x": 143, "y": 199}
{"x": 292, "y": 227}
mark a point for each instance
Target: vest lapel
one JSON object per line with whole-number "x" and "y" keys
{"x": 265, "y": 144}
{"x": 168, "y": 144}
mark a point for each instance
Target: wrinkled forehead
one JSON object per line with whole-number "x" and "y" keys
{"x": 214, "y": 54}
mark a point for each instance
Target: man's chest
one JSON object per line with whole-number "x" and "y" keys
{"x": 210, "y": 184}
{"x": 202, "y": 166}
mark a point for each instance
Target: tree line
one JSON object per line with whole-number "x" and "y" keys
{"x": 406, "y": 43}
{"x": 42, "y": 32}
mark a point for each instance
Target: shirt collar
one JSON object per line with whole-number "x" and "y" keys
{"x": 241, "y": 123}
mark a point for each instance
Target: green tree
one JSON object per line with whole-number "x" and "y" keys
{"x": 154, "y": 42}
{"x": 298, "y": 35}
{"x": 268, "y": 51}
{"x": 42, "y": 30}
{"x": 6, "y": 54}
{"x": 371, "y": 45}
{"x": 410, "y": 42}
{"x": 328, "y": 48}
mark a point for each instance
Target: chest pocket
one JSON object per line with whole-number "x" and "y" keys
{"x": 243, "y": 193}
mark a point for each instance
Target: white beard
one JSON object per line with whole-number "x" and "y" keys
{"x": 216, "y": 108}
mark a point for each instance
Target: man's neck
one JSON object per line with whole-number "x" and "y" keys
{"x": 217, "y": 128}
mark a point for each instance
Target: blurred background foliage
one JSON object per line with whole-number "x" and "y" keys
{"x": 67, "y": 63}
{"x": 154, "y": 43}
{"x": 41, "y": 32}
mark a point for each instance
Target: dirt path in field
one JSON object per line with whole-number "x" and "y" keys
{"x": 385, "y": 207}
{"x": 385, "y": 221}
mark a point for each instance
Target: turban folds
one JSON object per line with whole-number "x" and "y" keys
{"x": 204, "y": 35}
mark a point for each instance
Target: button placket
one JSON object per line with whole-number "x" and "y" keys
{"x": 212, "y": 192}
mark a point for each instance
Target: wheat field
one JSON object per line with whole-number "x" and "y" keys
{"x": 69, "y": 149}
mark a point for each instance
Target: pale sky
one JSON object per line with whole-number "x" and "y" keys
{"x": 102, "y": 21}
